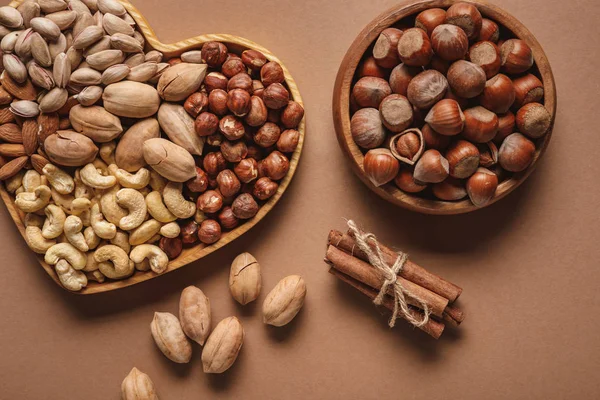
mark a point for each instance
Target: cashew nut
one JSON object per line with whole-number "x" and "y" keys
{"x": 35, "y": 240}
{"x": 120, "y": 265}
{"x": 135, "y": 181}
{"x": 157, "y": 182}
{"x": 34, "y": 220}
{"x": 102, "y": 166}
{"x": 76, "y": 258}
{"x": 144, "y": 232}
{"x": 143, "y": 266}
{"x": 86, "y": 218}
{"x": 111, "y": 210}
{"x": 59, "y": 179}
{"x": 175, "y": 201}
{"x": 199, "y": 216}
{"x": 107, "y": 152}
{"x": 31, "y": 180}
{"x": 21, "y": 189}
{"x": 112, "y": 169}
{"x": 91, "y": 177}
{"x": 134, "y": 202}
{"x": 158, "y": 258}
{"x": 55, "y": 221}
{"x": 69, "y": 277}
{"x": 153, "y": 239}
{"x": 102, "y": 228}
{"x": 170, "y": 230}
{"x": 80, "y": 205}
{"x": 121, "y": 239}
{"x": 157, "y": 208}
{"x": 65, "y": 201}
{"x": 81, "y": 189}
{"x": 95, "y": 276}
{"x": 15, "y": 181}
{"x": 33, "y": 201}
{"x": 91, "y": 238}
{"x": 91, "y": 265}
{"x": 73, "y": 227}
{"x": 145, "y": 191}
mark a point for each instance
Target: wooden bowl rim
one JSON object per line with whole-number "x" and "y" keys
{"x": 341, "y": 103}
{"x": 199, "y": 251}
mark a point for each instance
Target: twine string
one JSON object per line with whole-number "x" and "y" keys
{"x": 390, "y": 275}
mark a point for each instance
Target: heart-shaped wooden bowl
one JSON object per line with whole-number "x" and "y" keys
{"x": 235, "y": 44}
{"x": 402, "y": 16}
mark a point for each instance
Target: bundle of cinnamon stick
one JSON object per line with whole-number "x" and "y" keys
{"x": 422, "y": 289}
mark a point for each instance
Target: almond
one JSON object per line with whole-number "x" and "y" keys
{"x": 38, "y": 162}
{"x": 5, "y": 97}
{"x": 23, "y": 91}
{"x": 11, "y": 133}
{"x": 12, "y": 167}
{"x": 30, "y": 136}
{"x": 12, "y": 150}
{"x": 48, "y": 125}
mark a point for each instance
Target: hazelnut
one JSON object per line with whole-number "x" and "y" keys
{"x": 434, "y": 140}
{"x": 258, "y": 112}
{"x": 498, "y": 95}
{"x": 427, "y": 88}
{"x": 214, "y": 53}
{"x": 487, "y": 56}
{"x": 439, "y": 64}
{"x": 488, "y": 154}
{"x": 210, "y": 201}
{"x": 481, "y": 187}
{"x": 244, "y": 206}
{"x": 171, "y": 246}
{"x": 450, "y": 189}
{"x": 231, "y": 127}
{"x": 463, "y": 159}
{"x": 414, "y": 48}
{"x": 254, "y": 152}
{"x": 276, "y": 96}
{"x": 528, "y": 89}
{"x": 228, "y": 183}
{"x": 238, "y": 102}
{"x": 232, "y": 67}
{"x": 217, "y": 102}
{"x": 264, "y": 188}
{"x": 189, "y": 232}
{"x": 481, "y": 125}
{"x": 407, "y": 145}
{"x": 367, "y": 128}
{"x": 274, "y": 116}
{"x": 288, "y": 141}
{"x": 271, "y": 73}
{"x": 405, "y": 182}
{"x": 246, "y": 170}
{"x": 227, "y": 219}
{"x": 516, "y": 153}
{"x": 533, "y": 120}
{"x": 506, "y": 126}
{"x": 209, "y": 232}
{"x": 253, "y": 59}
{"x": 380, "y": 166}
{"x": 385, "y": 50}
{"x": 429, "y": 19}
{"x": 400, "y": 78}
{"x": 267, "y": 135}
{"x": 370, "y": 91}
{"x": 489, "y": 31}
{"x": 446, "y": 117}
{"x": 276, "y": 165}
{"x": 199, "y": 183}
{"x": 206, "y": 124}
{"x": 432, "y": 167}
{"x": 257, "y": 88}
{"x": 240, "y": 81}
{"x": 466, "y": 16}
{"x": 215, "y": 80}
{"x": 213, "y": 163}
{"x": 196, "y": 103}
{"x": 369, "y": 67}
{"x": 234, "y": 151}
{"x": 449, "y": 42}
{"x": 262, "y": 170}
{"x": 462, "y": 102}
{"x": 292, "y": 114}
{"x": 396, "y": 112}
{"x": 516, "y": 56}
{"x": 466, "y": 79}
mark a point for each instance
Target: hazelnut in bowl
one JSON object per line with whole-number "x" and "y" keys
{"x": 444, "y": 107}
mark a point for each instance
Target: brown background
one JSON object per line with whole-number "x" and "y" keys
{"x": 529, "y": 265}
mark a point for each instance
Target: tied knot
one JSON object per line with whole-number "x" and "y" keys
{"x": 390, "y": 278}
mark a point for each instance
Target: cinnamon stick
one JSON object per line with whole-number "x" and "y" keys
{"x": 433, "y": 327}
{"x": 453, "y": 315}
{"x": 411, "y": 271}
{"x": 369, "y": 275}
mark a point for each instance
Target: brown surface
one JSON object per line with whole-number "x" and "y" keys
{"x": 529, "y": 265}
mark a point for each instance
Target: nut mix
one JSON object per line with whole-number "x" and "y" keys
{"x": 102, "y": 191}
{"x": 449, "y": 108}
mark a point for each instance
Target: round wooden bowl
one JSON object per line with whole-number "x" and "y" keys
{"x": 402, "y": 16}
{"x": 235, "y": 44}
